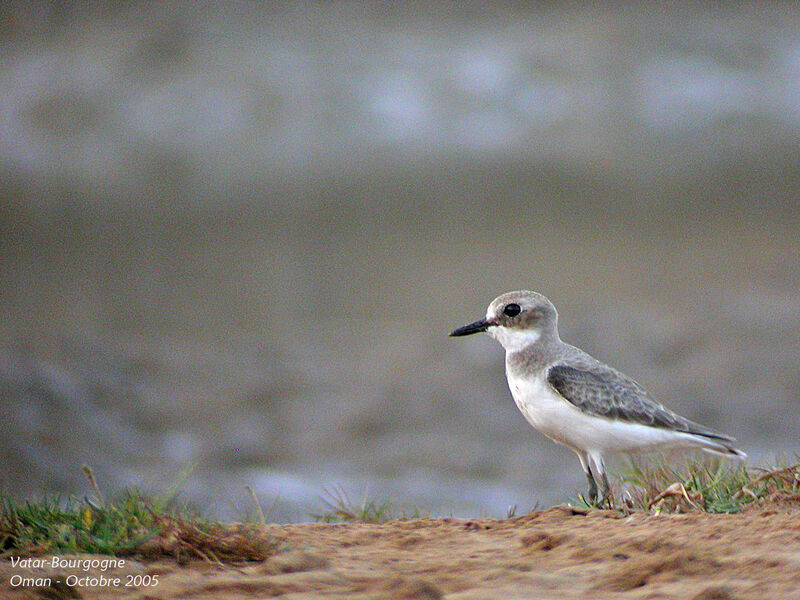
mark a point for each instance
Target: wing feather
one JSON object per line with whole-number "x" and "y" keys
{"x": 605, "y": 392}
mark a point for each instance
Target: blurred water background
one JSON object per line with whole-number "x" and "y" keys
{"x": 235, "y": 236}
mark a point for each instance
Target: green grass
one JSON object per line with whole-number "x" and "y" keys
{"x": 339, "y": 508}
{"x": 58, "y": 525}
{"x": 702, "y": 484}
{"x": 131, "y": 524}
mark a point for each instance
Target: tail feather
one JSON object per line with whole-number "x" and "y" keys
{"x": 720, "y": 447}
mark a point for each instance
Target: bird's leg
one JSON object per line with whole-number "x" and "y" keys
{"x": 592, "y": 493}
{"x": 605, "y": 488}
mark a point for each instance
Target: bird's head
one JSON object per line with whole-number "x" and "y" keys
{"x": 516, "y": 320}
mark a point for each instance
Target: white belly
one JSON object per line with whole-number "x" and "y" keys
{"x": 562, "y": 422}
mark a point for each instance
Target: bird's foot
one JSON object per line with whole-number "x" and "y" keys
{"x": 598, "y": 501}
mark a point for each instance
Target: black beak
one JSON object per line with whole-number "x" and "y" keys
{"x": 475, "y": 327}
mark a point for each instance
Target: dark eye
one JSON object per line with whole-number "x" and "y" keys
{"x": 511, "y": 310}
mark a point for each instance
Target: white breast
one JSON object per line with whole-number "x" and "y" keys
{"x": 543, "y": 408}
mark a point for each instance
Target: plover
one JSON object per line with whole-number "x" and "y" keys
{"x": 576, "y": 400}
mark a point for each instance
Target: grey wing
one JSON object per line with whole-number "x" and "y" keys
{"x": 608, "y": 393}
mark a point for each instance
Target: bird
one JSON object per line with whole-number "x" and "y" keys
{"x": 578, "y": 401}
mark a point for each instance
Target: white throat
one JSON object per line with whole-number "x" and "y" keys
{"x": 514, "y": 339}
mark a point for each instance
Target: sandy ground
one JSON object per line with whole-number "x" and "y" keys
{"x": 556, "y": 553}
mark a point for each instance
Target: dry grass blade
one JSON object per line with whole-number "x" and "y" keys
{"x": 787, "y": 474}
{"x": 215, "y": 543}
{"x": 785, "y": 480}
{"x": 261, "y": 518}
{"x": 677, "y": 491}
{"x": 87, "y": 470}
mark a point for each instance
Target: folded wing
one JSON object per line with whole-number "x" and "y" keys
{"x": 605, "y": 392}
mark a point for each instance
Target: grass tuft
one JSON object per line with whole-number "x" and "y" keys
{"x": 710, "y": 485}
{"x": 132, "y": 524}
{"x": 56, "y": 525}
{"x": 339, "y": 508}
